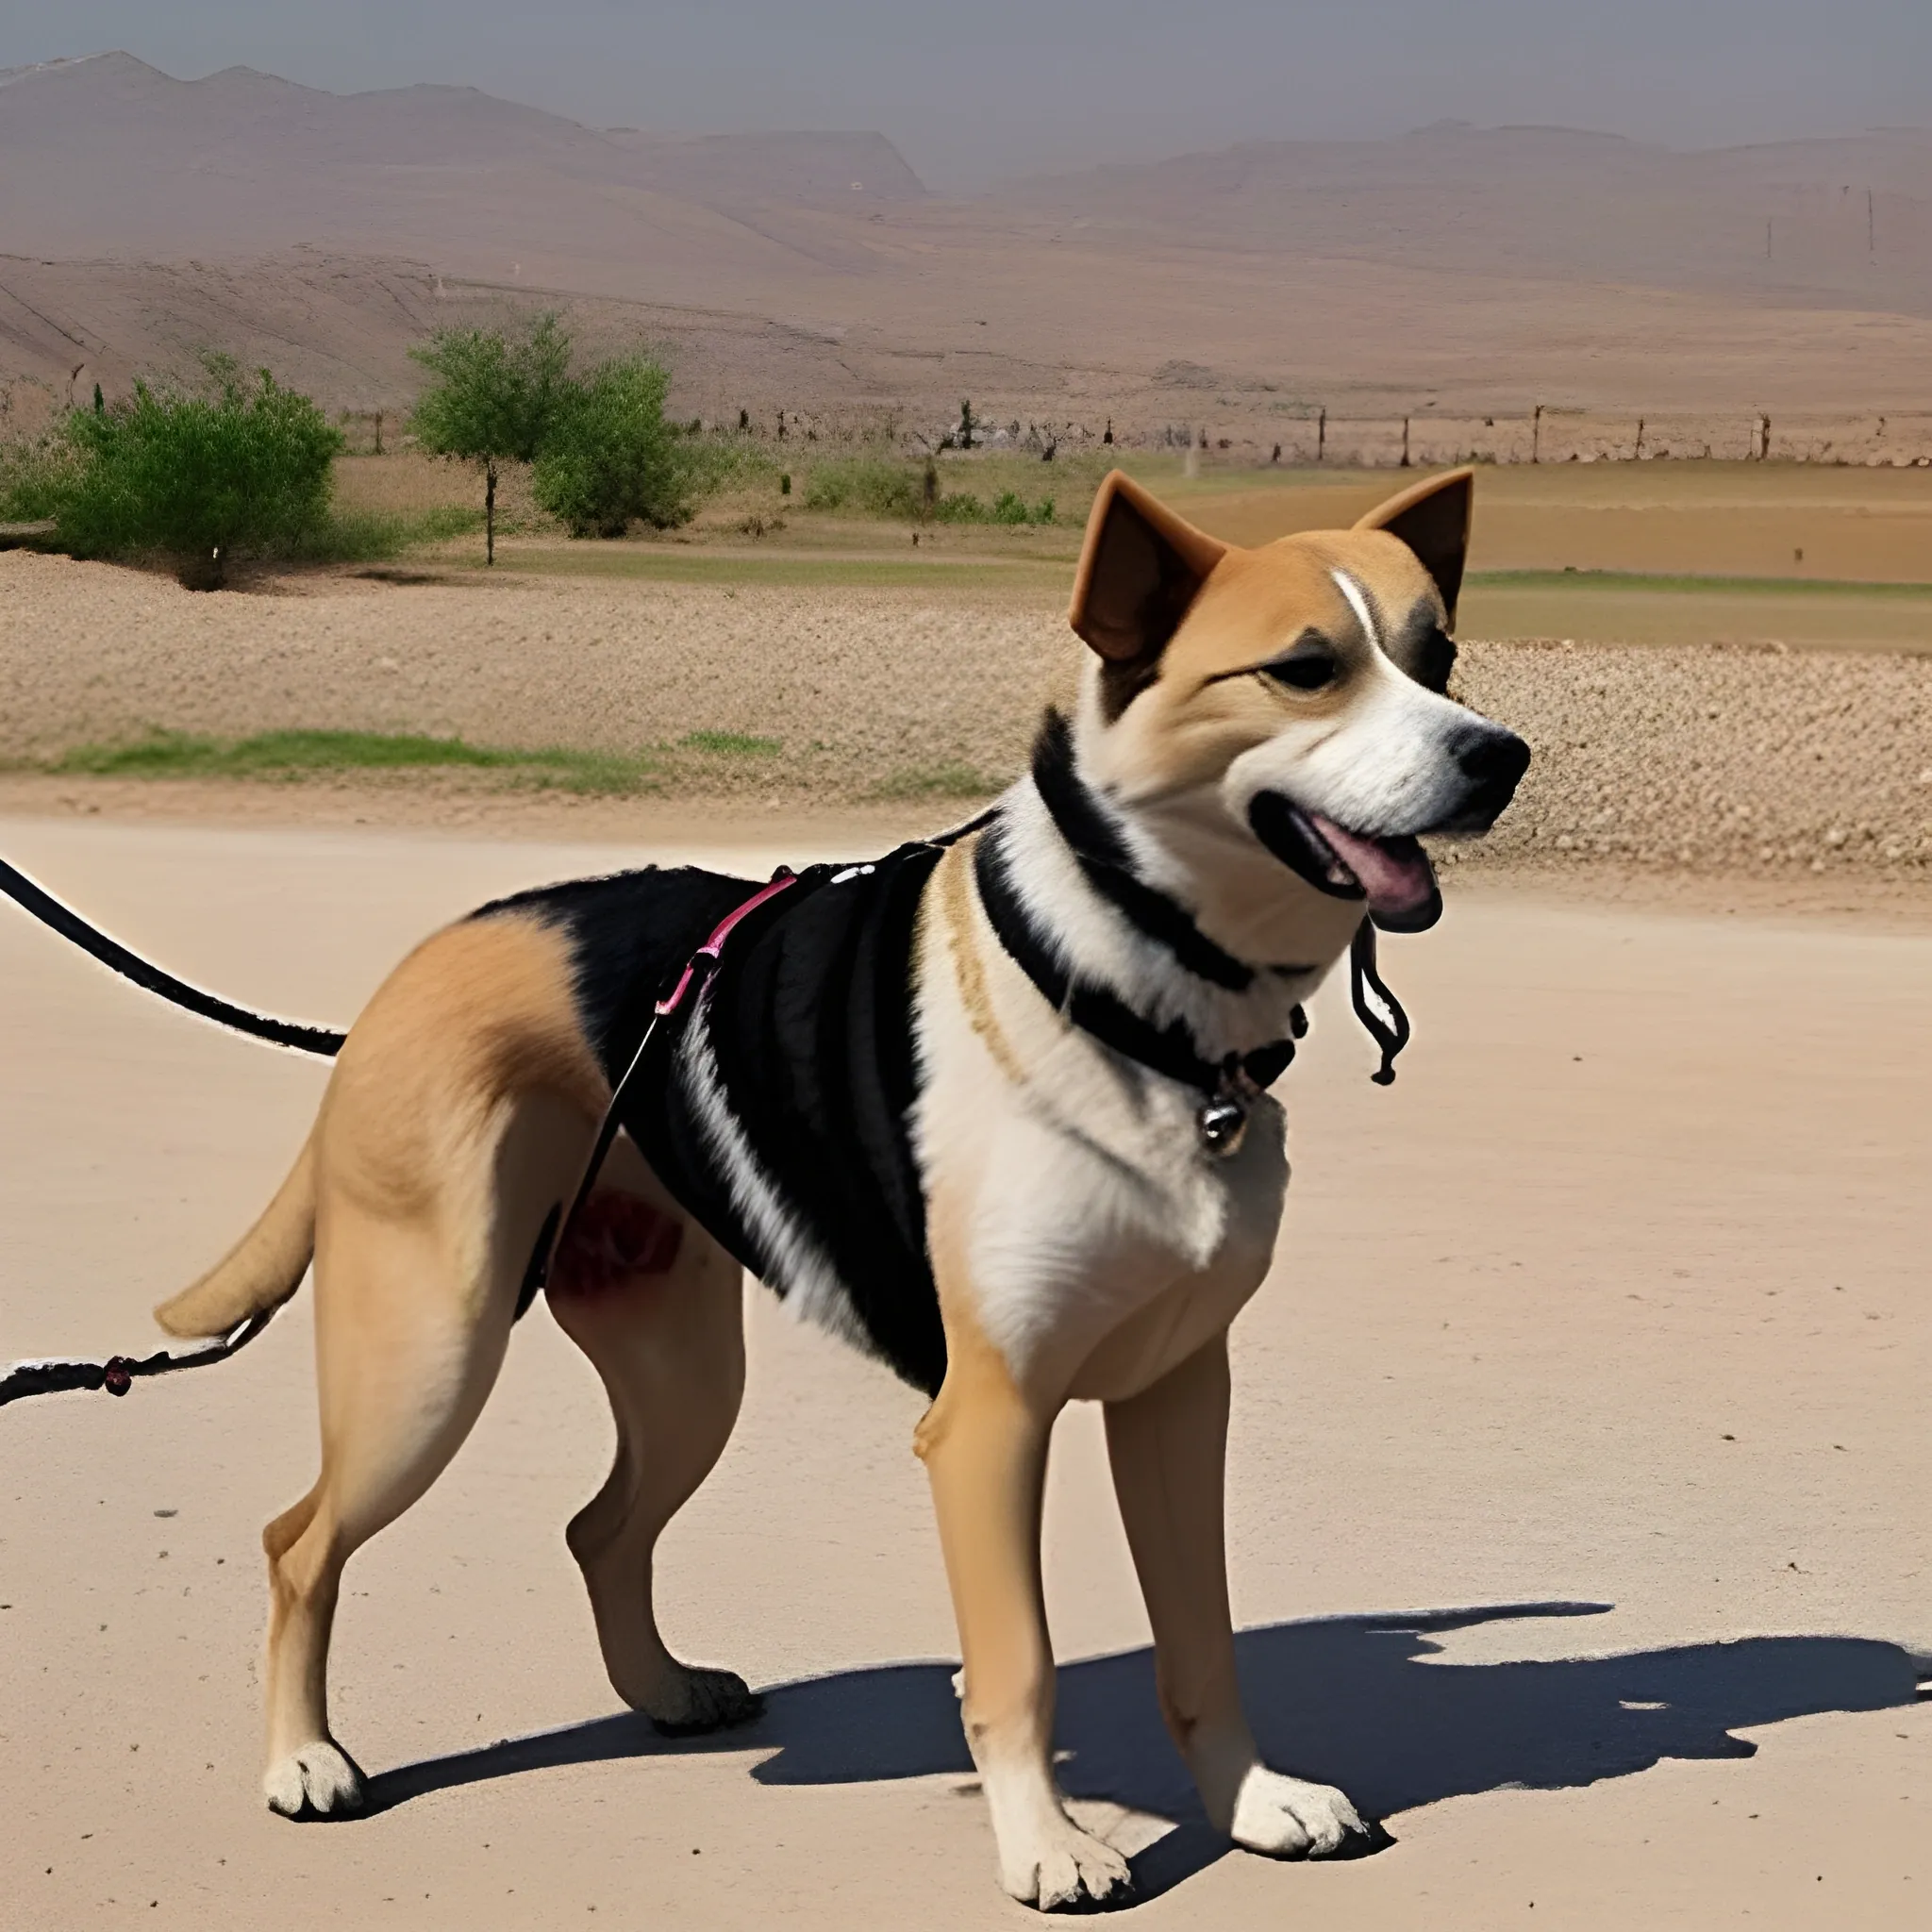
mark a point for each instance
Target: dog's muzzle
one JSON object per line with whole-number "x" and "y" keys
{"x": 1493, "y": 762}
{"x": 1390, "y": 871}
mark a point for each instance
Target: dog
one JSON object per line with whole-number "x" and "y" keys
{"x": 994, "y": 1107}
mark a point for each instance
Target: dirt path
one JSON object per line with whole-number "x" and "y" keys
{"x": 1577, "y": 1497}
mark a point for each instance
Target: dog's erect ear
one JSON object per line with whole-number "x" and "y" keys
{"x": 1433, "y": 520}
{"x": 1140, "y": 568}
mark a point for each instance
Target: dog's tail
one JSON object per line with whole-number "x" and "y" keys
{"x": 263, "y": 1269}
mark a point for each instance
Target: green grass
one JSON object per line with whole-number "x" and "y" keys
{"x": 731, "y": 744}
{"x": 293, "y": 755}
{"x": 948, "y": 781}
{"x": 1691, "y": 586}
{"x": 375, "y": 535}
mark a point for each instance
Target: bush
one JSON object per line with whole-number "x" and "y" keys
{"x": 196, "y": 477}
{"x": 871, "y": 486}
{"x": 864, "y": 484}
{"x": 611, "y": 459}
{"x": 34, "y": 477}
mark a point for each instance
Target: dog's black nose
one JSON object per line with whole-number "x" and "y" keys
{"x": 1494, "y": 761}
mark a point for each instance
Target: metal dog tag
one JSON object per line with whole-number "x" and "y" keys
{"x": 1222, "y": 1125}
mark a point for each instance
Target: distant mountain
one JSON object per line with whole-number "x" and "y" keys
{"x": 1486, "y": 269}
{"x": 1850, "y": 217}
{"x": 107, "y": 155}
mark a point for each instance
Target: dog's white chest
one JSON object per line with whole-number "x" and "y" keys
{"x": 1103, "y": 1252}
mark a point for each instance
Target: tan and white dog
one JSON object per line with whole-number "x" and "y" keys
{"x": 994, "y": 1107}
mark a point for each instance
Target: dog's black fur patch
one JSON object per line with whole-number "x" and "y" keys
{"x": 1108, "y": 865}
{"x": 808, "y": 1018}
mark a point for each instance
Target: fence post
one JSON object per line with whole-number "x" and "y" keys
{"x": 1535, "y": 435}
{"x": 1405, "y": 442}
{"x": 1321, "y": 436}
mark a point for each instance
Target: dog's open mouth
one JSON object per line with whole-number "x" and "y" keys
{"x": 1391, "y": 873}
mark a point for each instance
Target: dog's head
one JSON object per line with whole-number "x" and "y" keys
{"x": 1302, "y": 686}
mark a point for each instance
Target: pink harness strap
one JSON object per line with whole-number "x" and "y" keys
{"x": 714, "y": 946}
{"x": 559, "y": 1228}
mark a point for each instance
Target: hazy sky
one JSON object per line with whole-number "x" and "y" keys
{"x": 973, "y": 89}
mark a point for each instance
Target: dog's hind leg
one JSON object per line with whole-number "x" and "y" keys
{"x": 657, "y": 1306}
{"x": 1168, "y": 1446}
{"x": 414, "y": 1303}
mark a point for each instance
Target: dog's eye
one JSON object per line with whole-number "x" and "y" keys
{"x": 1435, "y": 659}
{"x": 1305, "y": 668}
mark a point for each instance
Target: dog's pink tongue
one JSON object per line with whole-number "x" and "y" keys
{"x": 1394, "y": 872}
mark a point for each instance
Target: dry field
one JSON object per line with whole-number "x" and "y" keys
{"x": 1664, "y": 553}
{"x": 1682, "y": 725}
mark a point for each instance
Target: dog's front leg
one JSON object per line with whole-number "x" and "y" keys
{"x": 984, "y": 1446}
{"x": 1168, "y": 1446}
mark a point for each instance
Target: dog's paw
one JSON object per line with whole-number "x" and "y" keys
{"x": 1286, "y": 1818}
{"x": 691, "y": 1702}
{"x": 319, "y": 1780}
{"x": 1068, "y": 1870}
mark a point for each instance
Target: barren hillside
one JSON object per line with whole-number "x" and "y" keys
{"x": 1458, "y": 270}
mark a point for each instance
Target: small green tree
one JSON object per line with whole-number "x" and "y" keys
{"x": 611, "y": 459}
{"x": 495, "y": 399}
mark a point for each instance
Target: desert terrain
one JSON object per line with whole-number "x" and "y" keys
{"x": 1459, "y": 276}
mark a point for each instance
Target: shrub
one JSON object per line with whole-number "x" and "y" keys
{"x": 878, "y": 486}
{"x": 201, "y": 478}
{"x": 865, "y": 484}
{"x": 35, "y": 476}
{"x": 611, "y": 458}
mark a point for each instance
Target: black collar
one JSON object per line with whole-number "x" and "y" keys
{"x": 1108, "y": 865}
{"x": 1170, "y": 1050}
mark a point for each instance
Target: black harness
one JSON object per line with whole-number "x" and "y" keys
{"x": 807, "y": 1023}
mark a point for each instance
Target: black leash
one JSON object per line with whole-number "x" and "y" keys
{"x": 319, "y": 1041}
{"x": 119, "y": 1372}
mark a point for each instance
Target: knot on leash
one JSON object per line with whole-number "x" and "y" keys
{"x": 117, "y": 1373}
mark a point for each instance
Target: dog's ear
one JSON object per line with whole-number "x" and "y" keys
{"x": 1140, "y": 569}
{"x": 1433, "y": 520}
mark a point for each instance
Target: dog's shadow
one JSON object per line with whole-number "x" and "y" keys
{"x": 1351, "y": 1701}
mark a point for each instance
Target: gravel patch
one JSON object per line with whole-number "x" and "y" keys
{"x": 1743, "y": 762}
{"x": 1721, "y": 759}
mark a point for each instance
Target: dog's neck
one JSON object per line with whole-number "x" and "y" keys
{"x": 1173, "y": 909}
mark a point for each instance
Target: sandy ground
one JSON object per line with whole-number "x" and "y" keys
{"x": 1782, "y": 765}
{"x": 1577, "y": 1500}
